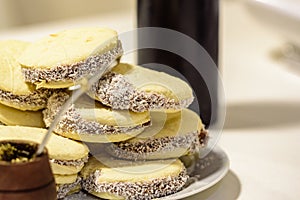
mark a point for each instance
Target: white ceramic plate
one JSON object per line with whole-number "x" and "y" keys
{"x": 206, "y": 172}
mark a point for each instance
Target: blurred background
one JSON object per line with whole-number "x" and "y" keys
{"x": 27, "y": 12}
{"x": 259, "y": 59}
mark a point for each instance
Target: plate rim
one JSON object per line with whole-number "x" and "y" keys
{"x": 220, "y": 172}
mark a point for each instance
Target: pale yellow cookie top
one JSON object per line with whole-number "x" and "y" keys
{"x": 12, "y": 116}
{"x": 170, "y": 124}
{"x": 11, "y": 78}
{"x": 89, "y": 109}
{"x": 68, "y": 47}
{"x": 133, "y": 172}
{"x": 59, "y": 148}
{"x": 65, "y": 179}
{"x": 152, "y": 81}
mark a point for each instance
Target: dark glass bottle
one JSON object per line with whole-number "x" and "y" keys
{"x": 195, "y": 18}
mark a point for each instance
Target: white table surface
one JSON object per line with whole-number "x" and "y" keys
{"x": 262, "y": 129}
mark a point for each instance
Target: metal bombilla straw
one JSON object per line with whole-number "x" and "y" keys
{"x": 83, "y": 86}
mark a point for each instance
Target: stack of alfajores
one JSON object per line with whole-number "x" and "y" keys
{"x": 136, "y": 119}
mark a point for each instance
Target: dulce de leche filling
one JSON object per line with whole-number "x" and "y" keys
{"x": 78, "y": 162}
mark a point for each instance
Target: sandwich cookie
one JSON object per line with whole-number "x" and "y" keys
{"x": 67, "y": 185}
{"x": 14, "y": 92}
{"x": 140, "y": 180}
{"x": 66, "y": 156}
{"x": 88, "y": 120}
{"x": 140, "y": 89}
{"x": 171, "y": 135}
{"x": 14, "y": 117}
{"x": 64, "y": 58}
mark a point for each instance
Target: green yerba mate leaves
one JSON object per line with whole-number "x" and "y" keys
{"x": 16, "y": 153}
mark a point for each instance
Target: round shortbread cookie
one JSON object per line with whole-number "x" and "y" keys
{"x": 61, "y": 59}
{"x": 140, "y": 89}
{"x": 88, "y": 120}
{"x": 126, "y": 180}
{"x": 171, "y": 135}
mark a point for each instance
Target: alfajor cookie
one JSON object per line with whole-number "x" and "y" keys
{"x": 66, "y": 156}
{"x": 139, "y": 89}
{"x": 14, "y": 92}
{"x": 137, "y": 180}
{"x": 67, "y": 185}
{"x": 88, "y": 120}
{"x": 14, "y": 117}
{"x": 64, "y": 58}
{"x": 171, "y": 135}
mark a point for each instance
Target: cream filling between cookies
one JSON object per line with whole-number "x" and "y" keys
{"x": 37, "y": 99}
{"x": 76, "y": 125}
{"x": 192, "y": 142}
{"x": 78, "y": 162}
{"x": 75, "y": 71}
{"x": 151, "y": 189}
{"x": 72, "y": 122}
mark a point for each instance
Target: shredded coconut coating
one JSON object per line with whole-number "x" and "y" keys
{"x": 116, "y": 91}
{"x": 75, "y": 71}
{"x": 75, "y": 163}
{"x": 36, "y": 100}
{"x": 73, "y": 123}
{"x": 65, "y": 189}
{"x": 140, "y": 150}
{"x": 145, "y": 190}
